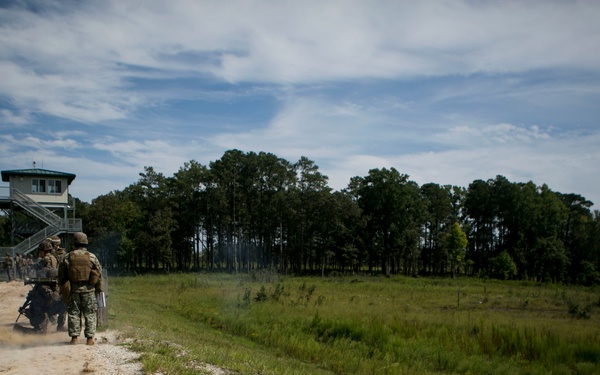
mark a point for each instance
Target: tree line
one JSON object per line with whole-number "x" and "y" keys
{"x": 255, "y": 211}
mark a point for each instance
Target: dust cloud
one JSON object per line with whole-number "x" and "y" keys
{"x": 29, "y": 354}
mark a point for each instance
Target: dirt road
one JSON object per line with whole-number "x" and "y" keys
{"x": 51, "y": 353}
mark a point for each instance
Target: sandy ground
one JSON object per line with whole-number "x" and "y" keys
{"x": 51, "y": 353}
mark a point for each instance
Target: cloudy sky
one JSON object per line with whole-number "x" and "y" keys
{"x": 444, "y": 91}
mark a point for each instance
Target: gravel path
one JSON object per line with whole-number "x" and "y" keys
{"x": 26, "y": 354}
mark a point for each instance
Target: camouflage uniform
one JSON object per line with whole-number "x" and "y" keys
{"x": 59, "y": 254}
{"x": 8, "y": 266}
{"x": 83, "y": 293}
{"x": 57, "y": 251}
{"x": 45, "y": 302}
{"x": 45, "y": 258}
{"x": 29, "y": 265}
{"x": 51, "y": 260}
{"x": 19, "y": 265}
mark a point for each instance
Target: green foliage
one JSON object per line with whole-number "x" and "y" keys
{"x": 503, "y": 267}
{"x": 394, "y": 209}
{"x": 455, "y": 242}
{"x": 362, "y": 325}
{"x": 579, "y": 312}
{"x": 258, "y": 213}
{"x": 261, "y": 296}
{"x": 278, "y": 293}
{"x": 589, "y": 275}
{"x": 4, "y": 229}
{"x": 305, "y": 294}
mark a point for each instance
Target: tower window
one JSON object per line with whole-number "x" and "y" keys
{"x": 38, "y": 186}
{"x": 54, "y": 186}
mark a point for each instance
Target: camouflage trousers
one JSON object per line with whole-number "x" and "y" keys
{"x": 83, "y": 307}
{"x": 10, "y": 274}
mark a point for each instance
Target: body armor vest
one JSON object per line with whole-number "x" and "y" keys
{"x": 79, "y": 267}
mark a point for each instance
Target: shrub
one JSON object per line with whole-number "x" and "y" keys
{"x": 503, "y": 267}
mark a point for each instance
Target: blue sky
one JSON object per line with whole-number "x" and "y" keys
{"x": 444, "y": 91}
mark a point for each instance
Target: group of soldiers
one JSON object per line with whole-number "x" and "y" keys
{"x": 21, "y": 264}
{"x": 25, "y": 266}
{"x": 44, "y": 304}
{"x": 64, "y": 289}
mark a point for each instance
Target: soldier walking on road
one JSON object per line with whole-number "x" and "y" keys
{"x": 83, "y": 271}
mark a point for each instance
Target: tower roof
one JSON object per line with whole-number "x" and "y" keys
{"x": 37, "y": 172}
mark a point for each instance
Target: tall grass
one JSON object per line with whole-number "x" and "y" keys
{"x": 357, "y": 325}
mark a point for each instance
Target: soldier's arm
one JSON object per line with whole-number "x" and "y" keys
{"x": 95, "y": 263}
{"x": 46, "y": 292}
{"x": 97, "y": 268}
{"x": 63, "y": 271}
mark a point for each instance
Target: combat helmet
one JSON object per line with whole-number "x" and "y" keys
{"x": 45, "y": 246}
{"x": 80, "y": 238}
{"x": 54, "y": 239}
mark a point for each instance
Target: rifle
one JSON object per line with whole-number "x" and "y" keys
{"x": 22, "y": 308}
{"x": 40, "y": 280}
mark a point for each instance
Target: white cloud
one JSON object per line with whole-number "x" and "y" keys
{"x": 46, "y": 145}
{"x": 346, "y": 143}
{"x": 567, "y": 162}
{"x": 469, "y": 136}
{"x": 315, "y": 128}
{"x": 12, "y": 118}
{"x": 77, "y": 63}
{"x": 401, "y": 39}
{"x": 98, "y": 62}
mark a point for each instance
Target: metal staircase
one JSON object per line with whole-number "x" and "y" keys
{"x": 56, "y": 224}
{"x": 35, "y": 208}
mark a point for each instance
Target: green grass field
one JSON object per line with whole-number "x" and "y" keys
{"x": 269, "y": 324}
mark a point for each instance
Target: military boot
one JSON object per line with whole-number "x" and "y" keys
{"x": 90, "y": 341}
{"x": 73, "y": 340}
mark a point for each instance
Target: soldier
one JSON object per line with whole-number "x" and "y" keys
{"x": 57, "y": 251}
{"x": 45, "y": 257}
{"x": 45, "y": 262}
{"x": 43, "y": 302}
{"x": 46, "y": 254}
{"x": 8, "y": 266}
{"x": 29, "y": 265}
{"x": 83, "y": 271}
{"x": 23, "y": 266}
{"x": 19, "y": 265}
